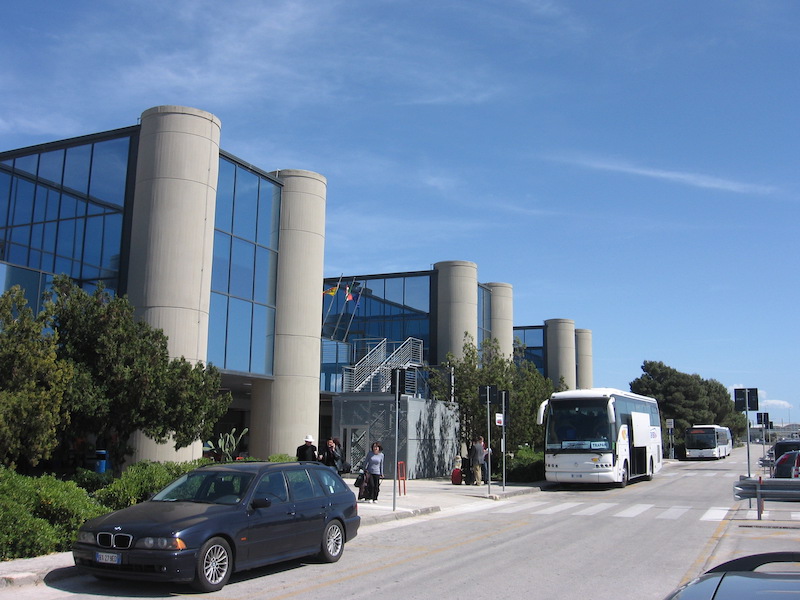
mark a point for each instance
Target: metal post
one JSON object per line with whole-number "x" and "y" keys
{"x": 396, "y": 434}
{"x": 488, "y": 441}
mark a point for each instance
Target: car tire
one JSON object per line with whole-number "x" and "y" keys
{"x": 214, "y": 565}
{"x": 332, "y": 542}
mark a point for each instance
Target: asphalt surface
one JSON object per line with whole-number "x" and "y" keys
{"x": 740, "y": 533}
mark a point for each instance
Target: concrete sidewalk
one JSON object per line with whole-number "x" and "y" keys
{"x": 422, "y": 496}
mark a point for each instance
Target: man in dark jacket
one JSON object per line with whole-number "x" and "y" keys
{"x": 308, "y": 451}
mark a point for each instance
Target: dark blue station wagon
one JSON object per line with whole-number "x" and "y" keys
{"x": 223, "y": 518}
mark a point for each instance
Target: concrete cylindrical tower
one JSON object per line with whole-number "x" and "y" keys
{"x": 585, "y": 358}
{"x": 560, "y": 351}
{"x": 457, "y": 306}
{"x": 169, "y": 278}
{"x": 285, "y": 412}
{"x": 502, "y": 316}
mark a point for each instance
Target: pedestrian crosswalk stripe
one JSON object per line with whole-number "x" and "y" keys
{"x": 674, "y": 512}
{"x": 519, "y": 507}
{"x": 714, "y": 514}
{"x": 634, "y": 510}
{"x": 558, "y": 508}
{"x": 597, "y": 508}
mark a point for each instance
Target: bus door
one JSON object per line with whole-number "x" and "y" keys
{"x": 640, "y": 438}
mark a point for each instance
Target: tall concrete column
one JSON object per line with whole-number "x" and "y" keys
{"x": 169, "y": 279}
{"x": 502, "y": 316}
{"x": 285, "y": 412}
{"x": 585, "y": 358}
{"x": 560, "y": 351}
{"x": 457, "y": 306}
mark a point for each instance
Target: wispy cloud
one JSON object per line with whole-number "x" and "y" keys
{"x": 698, "y": 180}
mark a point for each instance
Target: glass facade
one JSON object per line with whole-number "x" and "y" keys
{"x": 62, "y": 209}
{"x": 484, "y": 315}
{"x": 531, "y": 338}
{"x": 244, "y": 273}
{"x": 359, "y": 312}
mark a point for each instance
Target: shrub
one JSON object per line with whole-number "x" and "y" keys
{"x": 281, "y": 458}
{"x": 526, "y": 466}
{"x": 39, "y": 515}
{"x": 92, "y": 481}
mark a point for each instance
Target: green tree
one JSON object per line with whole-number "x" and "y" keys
{"x": 488, "y": 366}
{"x": 688, "y": 399}
{"x": 32, "y": 383}
{"x": 123, "y": 379}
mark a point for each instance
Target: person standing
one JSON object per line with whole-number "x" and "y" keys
{"x": 332, "y": 455}
{"x": 476, "y": 454}
{"x": 308, "y": 451}
{"x": 373, "y": 469}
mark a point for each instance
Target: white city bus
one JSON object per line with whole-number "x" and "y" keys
{"x": 600, "y": 435}
{"x": 708, "y": 441}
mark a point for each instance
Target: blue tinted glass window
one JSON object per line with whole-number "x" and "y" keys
{"x": 5, "y": 191}
{"x": 66, "y": 238}
{"x": 266, "y": 264}
{"x": 237, "y": 355}
{"x": 244, "y": 204}
{"x": 269, "y": 206}
{"x": 222, "y": 259}
{"x": 224, "y": 208}
{"x": 23, "y": 202}
{"x": 69, "y": 207}
{"x": 242, "y": 268}
{"x": 27, "y": 164}
{"x": 51, "y": 166}
{"x": 418, "y": 293}
{"x": 53, "y": 206}
{"x": 76, "y": 168}
{"x": 394, "y": 289}
{"x": 36, "y": 235}
{"x": 49, "y": 240}
{"x": 217, "y": 329}
{"x": 109, "y": 170}
{"x": 21, "y": 234}
{"x": 258, "y": 352}
{"x": 40, "y": 205}
{"x": 112, "y": 240}
{"x": 94, "y": 241}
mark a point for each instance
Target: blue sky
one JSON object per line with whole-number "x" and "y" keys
{"x": 629, "y": 165}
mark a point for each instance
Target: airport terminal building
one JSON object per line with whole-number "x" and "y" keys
{"x": 227, "y": 259}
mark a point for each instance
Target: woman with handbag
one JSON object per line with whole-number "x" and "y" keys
{"x": 373, "y": 469}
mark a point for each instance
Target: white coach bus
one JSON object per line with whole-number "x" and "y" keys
{"x": 708, "y": 441}
{"x": 600, "y": 435}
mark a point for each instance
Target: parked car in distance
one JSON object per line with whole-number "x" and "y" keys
{"x": 223, "y": 518}
{"x": 738, "y": 579}
{"x": 788, "y": 465}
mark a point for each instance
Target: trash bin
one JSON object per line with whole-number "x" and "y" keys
{"x": 101, "y": 462}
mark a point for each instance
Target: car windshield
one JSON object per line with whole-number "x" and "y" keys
{"x": 213, "y": 487}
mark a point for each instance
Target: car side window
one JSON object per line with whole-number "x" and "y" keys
{"x": 300, "y": 485}
{"x": 273, "y": 487}
{"x": 330, "y": 482}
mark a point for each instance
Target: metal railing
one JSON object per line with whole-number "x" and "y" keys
{"x": 761, "y": 489}
{"x": 374, "y": 371}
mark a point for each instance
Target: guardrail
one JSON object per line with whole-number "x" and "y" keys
{"x": 787, "y": 490}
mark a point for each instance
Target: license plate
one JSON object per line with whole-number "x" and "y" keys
{"x": 107, "y": 558}
{"x": 576, "y": 476}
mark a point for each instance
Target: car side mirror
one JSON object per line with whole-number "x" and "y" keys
{"x": 261, "y": 503}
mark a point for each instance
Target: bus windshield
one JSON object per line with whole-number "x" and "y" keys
{"x": 701, "y": 439}
{"x": 578, "y": 425}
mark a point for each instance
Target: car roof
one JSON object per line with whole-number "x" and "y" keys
{"x": 254, "y": 466}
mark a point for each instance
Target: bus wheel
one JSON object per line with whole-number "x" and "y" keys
{"x": 624, "y": 481}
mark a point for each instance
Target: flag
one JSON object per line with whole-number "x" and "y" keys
{"x": 347, "y": 296}
{"x": 331, "y": 291}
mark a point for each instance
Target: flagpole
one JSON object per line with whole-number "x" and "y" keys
{"x": 341, "y": 314}
{"x": 353, "y": 316}
{"x": 333, "y": 296}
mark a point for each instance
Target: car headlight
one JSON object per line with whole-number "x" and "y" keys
{"x": 86, "y": 537}
{"x": 161, "y": 543}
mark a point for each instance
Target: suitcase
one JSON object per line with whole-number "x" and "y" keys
{"x": 455, "y": 476}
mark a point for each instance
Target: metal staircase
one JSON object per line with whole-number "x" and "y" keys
{"x": 374, "y": 372}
